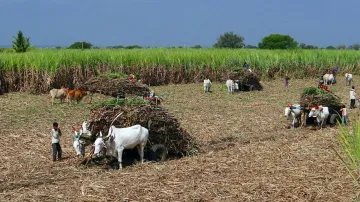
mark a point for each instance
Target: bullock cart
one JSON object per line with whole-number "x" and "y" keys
{"x": 167, "y": 140}
{"x": 312, "y": 97}
{"x": 245, "y": 81}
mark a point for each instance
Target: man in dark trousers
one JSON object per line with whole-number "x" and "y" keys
{"x": 352, "y": 97}
{"x": 55, "y": 140}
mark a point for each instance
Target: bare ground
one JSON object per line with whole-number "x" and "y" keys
{"x": 249, "y": 154}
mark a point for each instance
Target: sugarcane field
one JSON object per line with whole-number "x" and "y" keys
{"x": 232, "y": 143}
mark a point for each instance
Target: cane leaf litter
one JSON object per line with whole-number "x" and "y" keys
{"x": 247, "y": 152}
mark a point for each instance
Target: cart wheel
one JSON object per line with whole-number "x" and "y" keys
{"x": 334, "y": 118}
{"x": 158, "y": 153}
{"x": 251, "y": 88}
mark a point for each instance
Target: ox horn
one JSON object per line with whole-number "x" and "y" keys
{"x": 116, "y": 118}
{"x": 107, "y": 137}
{"x": 112, "y": 123}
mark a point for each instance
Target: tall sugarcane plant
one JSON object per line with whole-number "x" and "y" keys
{"x": 349, "y": 140}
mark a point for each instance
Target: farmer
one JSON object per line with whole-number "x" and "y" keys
{"x": 55, "y": 140}
{"x": 321, "y": 83}
{"x": 79, "y": 145}
{"x": 246, "y": 66}
{"x": 287, "y": 81}
{"x": 352, "y": 97}
{"x": 344, "y": 115}
{"x": 132, "y": 78}
{"x": 333, "y": 71}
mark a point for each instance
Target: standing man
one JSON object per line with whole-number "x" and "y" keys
{"x": 287, "y": 81}
{"x": 352, "y": 97}
{"x": 344, "y": 115}
{"x": 55, "y": 140}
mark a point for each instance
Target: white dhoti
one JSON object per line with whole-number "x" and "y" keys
{"x": 77, "y": 147}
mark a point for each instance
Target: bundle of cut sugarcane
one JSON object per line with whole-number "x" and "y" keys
{"x": 163, "y": 127}
{"x": 114, "y": 86}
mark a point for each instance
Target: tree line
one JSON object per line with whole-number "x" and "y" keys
{"x": 226, "y": 40}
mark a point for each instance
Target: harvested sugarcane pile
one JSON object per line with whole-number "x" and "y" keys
{"x": 113, "y": 86}
{"x": 313, "y": 96}
{"x": 246, "y": 78}
{"x": 164, "y": 128}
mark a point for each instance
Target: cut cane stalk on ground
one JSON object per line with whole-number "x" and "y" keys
{"x": 261, "y": 154}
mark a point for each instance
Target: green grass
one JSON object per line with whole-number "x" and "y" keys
{"x": 50, "y": 60}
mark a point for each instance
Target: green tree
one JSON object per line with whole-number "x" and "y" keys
{"x": 304, "y": 46}
{"x": 196, "y": 46}
{"x": 341, "y": 47}
{"x": 230, "y": 40}
{"x": 21, "y": 43}
{"x": 355, "y": 46}
{"x": 116, "y": 47}
{"x": 80, "y": 45}
{"x": 330, "y": 48}
{"x": 133, "y": 47}
{"x": 278, "y": 41}
{"x": 250, "y": 46}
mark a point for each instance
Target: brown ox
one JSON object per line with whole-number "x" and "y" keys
{"x": 77, "y": 94}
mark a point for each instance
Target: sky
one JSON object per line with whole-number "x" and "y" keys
{"x": 178, "y": 22}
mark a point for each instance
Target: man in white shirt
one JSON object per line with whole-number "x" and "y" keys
{"x": 344, "y": 115}
{"x": 352, "y": 97}
{"x": 55, "y": 140}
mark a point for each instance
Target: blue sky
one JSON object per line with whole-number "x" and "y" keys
{"x": 174, "y": 23}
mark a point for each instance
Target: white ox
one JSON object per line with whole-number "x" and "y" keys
{"x": 296, "y": 113}
{"x": 348, "y": 79}
{"x": 207, "y": 85}
{"x": 126, "y": 138}
{"x": 321, "y": 114}
{"x": 328, "y": 78}
{"x": 58, "y": 93}
{"x": 99, "y": 144}
{"x": 230, "y": 86}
